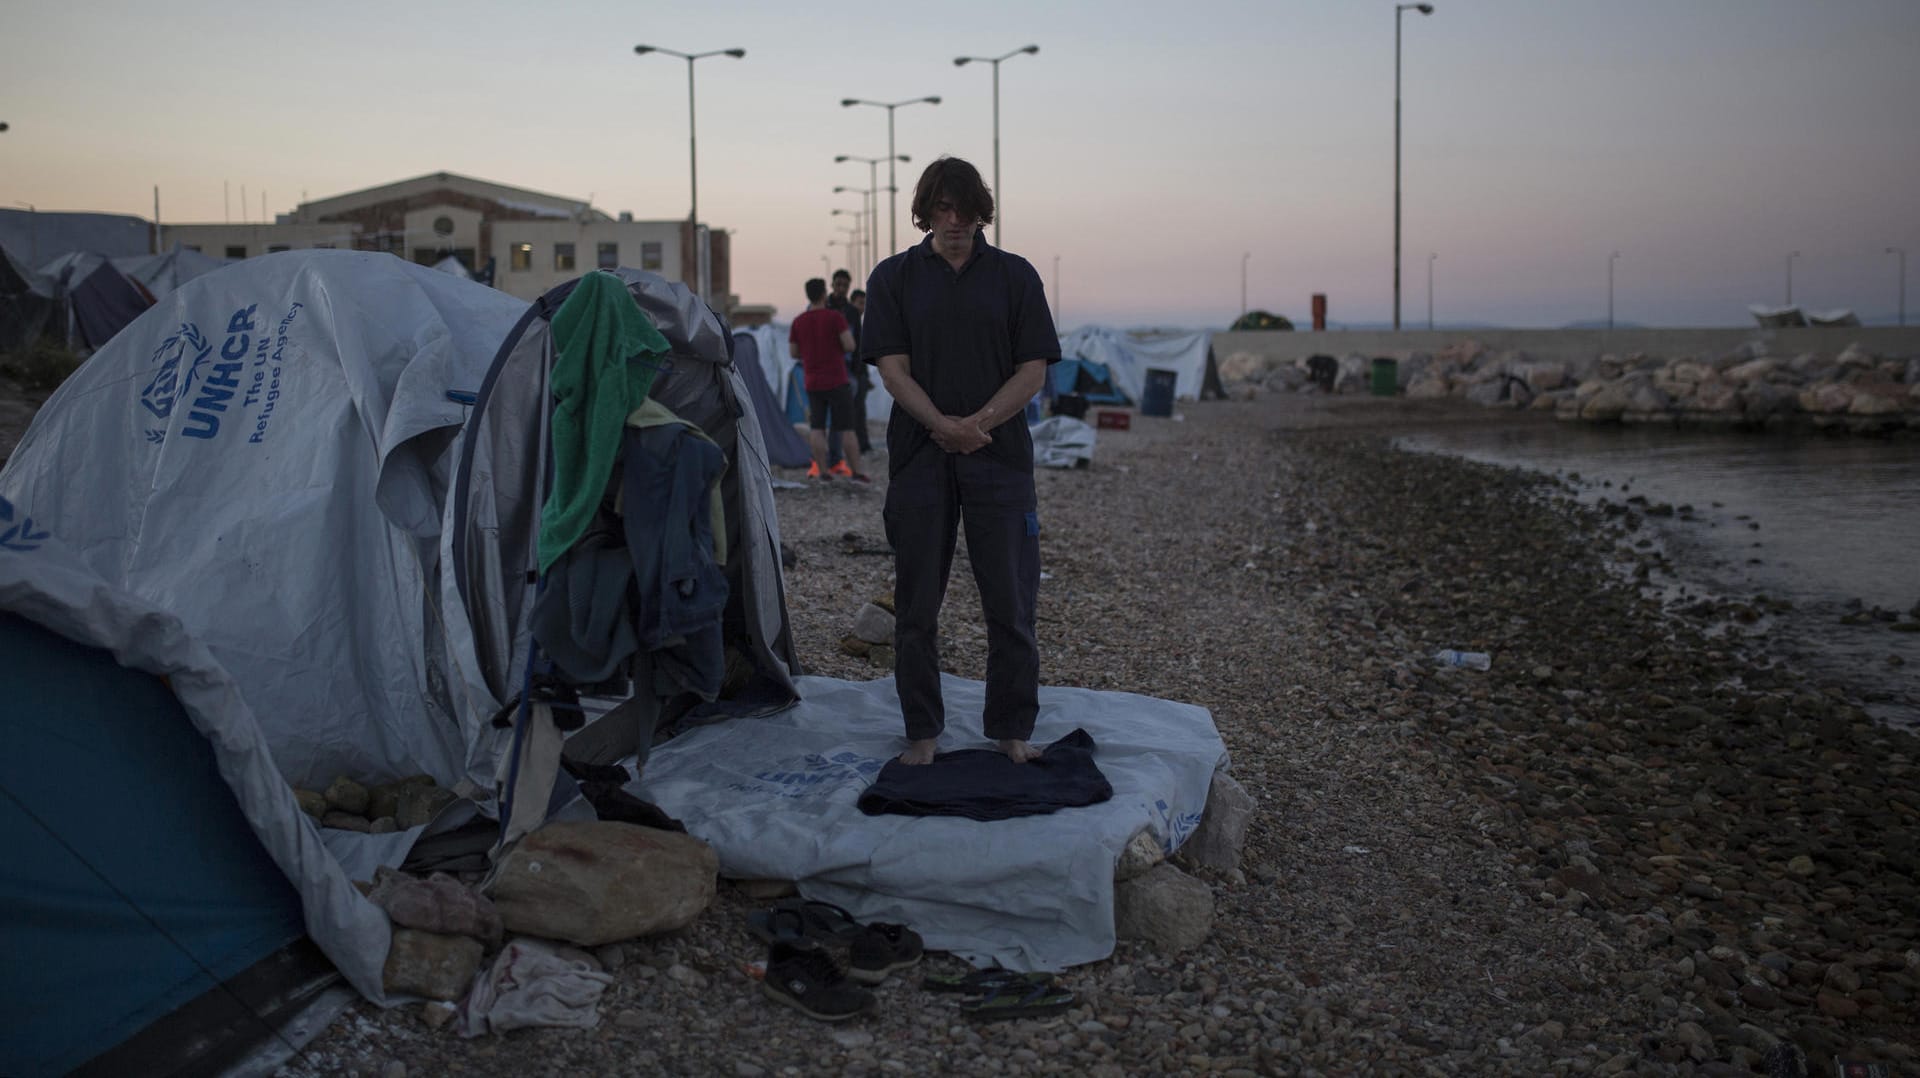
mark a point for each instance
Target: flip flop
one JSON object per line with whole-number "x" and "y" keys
{"x": 980, "y": 982}
{"x": 822, "y": 921}
{"x": 1011, "y": 1001}
{"x": 777, "y": 925}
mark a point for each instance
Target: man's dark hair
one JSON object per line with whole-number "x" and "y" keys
{"x": 842, "y": 275}
{"x": 959, "y": 183}
{"x": 858, "y": 293}
{"x": 816, "y": 290}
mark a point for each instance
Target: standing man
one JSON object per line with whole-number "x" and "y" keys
{"x": 962, "y": 335}
{"x": 841, "y": 303}
{"x": 820, "y": 340}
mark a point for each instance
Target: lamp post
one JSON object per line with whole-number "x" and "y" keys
{"x": 1430, "y": 258}
{"x": 1791, "y": 255}
{"x": 873, "y": 188}
{"x": 1902, "y": 252}
{"x": 1610, "y": 261}
{"x": 693, "y": 157}
{"x": 1244, "y": 255}
{"x": 854, "y": 243}
{"x": 1398, "y": 10}
{"x": 866, "y": 217}
{"x": 893, "y": 187}
{"x": 962, "y": 61}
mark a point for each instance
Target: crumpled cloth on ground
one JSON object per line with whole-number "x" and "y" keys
{"x": 532, "y": 984}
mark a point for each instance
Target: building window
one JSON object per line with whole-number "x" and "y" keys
{"x": 609, "y": 256}
{"x": 443, "y": 226}
{"x": 236, "y": 252}
{"x": 563, "y": 256}
{"x": 520, "y": 257}
{"x": 650, "y": 258}
{"x": 277, "y": 247}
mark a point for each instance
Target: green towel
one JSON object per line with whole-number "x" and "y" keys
{"x": 596, "y": 332}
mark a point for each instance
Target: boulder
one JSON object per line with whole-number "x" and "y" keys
{"x": 1753, "y": 370}
{"x": 1607, "y": 403}
{"x": 1912, "y": 377}
{"x": 873, "y": 625}
{"x": 312, "y": 802}
{"x": 1762, "y": 401}
{"x": 1715, "y": 398}
{"x": 1542, "y": 377}
{"x": 346, "y": 821}
{"x": 431, "y": 965}
{"x": 1831, "y": 398}
{"x": 1646, "y": 401}
{"x": 1165, "y": 907}
{"x": 1855, "y": 356}
{"x": 1487, "y": 393}
{"x": 1427, "y": 387}
{"x": 419, "y": 804}
{"x": 348, "y": 796}
{"x": 438, "y": 904}
{"x": 1217, "y": 842}
{"x": 1141, "y": 853}
{"x": 596, "y": 881}
{"x": 1878, "y": 398}
{"x": 1686, "y": 370}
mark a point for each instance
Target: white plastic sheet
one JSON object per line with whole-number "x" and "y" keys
{"x": 776, "y": 799}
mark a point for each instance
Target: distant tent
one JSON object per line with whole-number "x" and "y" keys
{"x": 1835, "y": 319}
{"x": 1788, "y": 317}
{"x": 1129, "y": 354}
{"x": 785, "y": 447}
{"x": 1261, "y": 320}
{"x": 452, "y": 265}
{"x": 100, "y": 300}
{"x": 162, "y": 273}
{"x": 26, "y": 312}
{"x": 1091, "y": 380}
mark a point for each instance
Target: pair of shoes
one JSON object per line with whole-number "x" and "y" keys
{"x": 840, "y": 469}
{"x": 802, "y": 976}
{"x": 880, "y": 949}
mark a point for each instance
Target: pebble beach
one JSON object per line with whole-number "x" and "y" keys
{"x": 1626, "y": 848}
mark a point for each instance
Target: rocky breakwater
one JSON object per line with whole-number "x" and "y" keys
{"x": 1748, "y": 387}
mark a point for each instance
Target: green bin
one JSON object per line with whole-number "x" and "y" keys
{"x": 1386, "y": 377}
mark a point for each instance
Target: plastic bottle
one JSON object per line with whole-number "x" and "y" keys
{"x": 1472, "y": 660}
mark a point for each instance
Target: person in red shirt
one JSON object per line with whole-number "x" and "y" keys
{"x": 820, "y": 340}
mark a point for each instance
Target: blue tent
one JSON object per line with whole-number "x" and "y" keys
{"x": 132, "y": 884}
{"x": 785, "y": 447}
{"x": 1091, "y": 380}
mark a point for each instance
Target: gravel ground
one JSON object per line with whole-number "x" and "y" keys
{"x": 1625, "y": 849}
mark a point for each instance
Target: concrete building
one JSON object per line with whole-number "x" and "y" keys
{"x": 532, "y": 240}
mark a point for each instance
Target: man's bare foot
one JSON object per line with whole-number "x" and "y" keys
{"x": 1018, "y": 750}
{"x": 920, "y": 752}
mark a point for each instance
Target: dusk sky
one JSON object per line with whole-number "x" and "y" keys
{"x": 1147, "y": 146}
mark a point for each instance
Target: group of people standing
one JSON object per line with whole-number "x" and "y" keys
{"x": 961, "y": 335}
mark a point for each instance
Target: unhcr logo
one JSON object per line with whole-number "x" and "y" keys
{"x": 21, "y": 536}
{"x": 813, "y": 774}
{"x": 166, "y": 386}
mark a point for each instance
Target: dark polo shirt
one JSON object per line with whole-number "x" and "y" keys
{"x": 963, "y": 333}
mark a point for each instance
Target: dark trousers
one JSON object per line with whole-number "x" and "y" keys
{"x": 928, "y": 497}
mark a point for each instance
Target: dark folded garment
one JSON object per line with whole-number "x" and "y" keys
{"x": 982, "y": 784}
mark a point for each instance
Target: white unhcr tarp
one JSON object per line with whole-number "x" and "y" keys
{"x": 1062, "y": 442}
{"x": 261, "y": 455}
{"x": 776, "y": 798}
{"x": 1129, "y": 353}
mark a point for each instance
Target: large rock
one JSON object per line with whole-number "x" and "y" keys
{"x": 431, "y": 965}
{"x": 418, "y": 804}
{"x": 1141, "y": 853}
{"x": 1488, "y": 393}
{"x": 1608, "y": 402}
{"x": 347, "y": 796}
{"x": 597, "y": 881}
{"x": 1217, "y": 842}
{"x": 1648, "y": 402}
{"x": 873, "y": 625}
{"x": 1878, "y": 398}
{"x": 1753, "y": 370}
{"x": 1763, "y": 400}
{"x": 1830, "y": 398}
{"x": 1164, "y": 906}
{"x": 1430, "y": 386}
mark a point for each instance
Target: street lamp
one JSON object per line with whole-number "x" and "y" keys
{"x": 873, "y": 188}
{"x": 1902, "y": 252}
{"x": 1398, "y": 10}
{"x": 893, "y": 187}
{"x": 1610, "y": 260}
{"x": 867, "y": 196}
{"x": 1244, "y": 255}
{"x": 962, "y": 61}
{"x": 1430, "y": 259}
{"x": 693, "y": 157}
{"x": 1791, "y": 255}
{"x": 856, "y": 241}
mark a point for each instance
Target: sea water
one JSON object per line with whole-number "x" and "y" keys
{"x": 1828, "y": 523}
